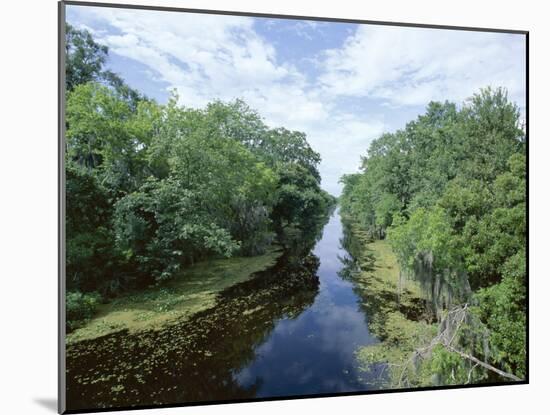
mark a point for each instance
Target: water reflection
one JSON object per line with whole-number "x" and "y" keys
{"x": 195, "y": 360}
{"x": 315, "y": 353}
{"x": 293, "y": 329}
{"x": 378, "y": 298}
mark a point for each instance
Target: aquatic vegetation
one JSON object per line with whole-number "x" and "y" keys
{"x": 420, "y": 345}
{"x": 191, "y": 359}
{"x": 448, "y": 191}
{"x": 397, "y": 310}
{"x": 193, "y": 290}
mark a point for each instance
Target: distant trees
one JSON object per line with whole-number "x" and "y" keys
{"x": 449, "y": 191}
{"x": 153, "y": 188}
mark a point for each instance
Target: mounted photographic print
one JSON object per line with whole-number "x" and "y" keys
{"x": 261, "y": 207}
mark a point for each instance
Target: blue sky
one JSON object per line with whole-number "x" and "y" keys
{"x": 342, "y": 84}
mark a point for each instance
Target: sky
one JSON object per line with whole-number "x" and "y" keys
{"x": 342, "y": 84}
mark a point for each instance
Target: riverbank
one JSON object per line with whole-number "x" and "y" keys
{"x": 193, "y": 359}
{"x": 396, "y": 308}
{"x": 194, "y": 290}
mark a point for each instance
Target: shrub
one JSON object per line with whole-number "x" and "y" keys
{"x": 80, "y": 308}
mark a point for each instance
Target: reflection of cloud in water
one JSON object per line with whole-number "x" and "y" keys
{"x": 343, "y": 330}
{"x": 315, "y": 352}
{"x": 245, "y": 376}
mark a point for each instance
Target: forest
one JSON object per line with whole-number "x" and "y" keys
{"x": 152, "y": 189}
{"x": 448, "y": 193}
{"x": 205, "y": 261}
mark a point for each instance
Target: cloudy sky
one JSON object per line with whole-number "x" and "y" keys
{"x": 342, "y": 84}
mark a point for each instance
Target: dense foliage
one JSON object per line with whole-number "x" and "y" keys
{"x": 85, "y": 62}
{"x": 449, "y": 192}
{"x": 154, "y": 188}
{"x": 80, "y": 307}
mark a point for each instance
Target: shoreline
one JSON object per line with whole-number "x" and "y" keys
{"x": 395, "y": 306}
{"x": 194, "y": 290}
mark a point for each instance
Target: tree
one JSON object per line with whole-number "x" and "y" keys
{"x": 84, "y": 58}
{"x": 450, "y": 189}
{"x": 85, "y": 61}
{"x": 106, "y": 135}
{"x": 161, "y": 186}
{"x": 91, "y": 255}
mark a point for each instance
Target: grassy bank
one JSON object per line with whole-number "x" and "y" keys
{"x": 396, "y": 310}
{"x": 194, "y": 290}
{"x": 196, "y": 358}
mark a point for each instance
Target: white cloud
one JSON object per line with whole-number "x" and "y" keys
{"x": 411, "y": 66}
{"x": 207, "y": 57}
{"x": 307, "y": 29}
{"x": 203, "y": 56}
{"x": 342, "y": 140}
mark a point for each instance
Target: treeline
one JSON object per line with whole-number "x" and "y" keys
{"x": 152, "y": 188}
{"x": 449, "y": 193}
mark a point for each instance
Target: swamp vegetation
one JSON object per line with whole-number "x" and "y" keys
{"x": 153, "y": 189}
{"x": 448, "y": 194}
{"x": 205, "y": 261}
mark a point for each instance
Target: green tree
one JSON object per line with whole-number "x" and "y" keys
{"x": 85, "y": 61}
{"x": 91, "y": 256}
{"x": 153, "y": 188}
{"x": 450, "y": 189}
{"x": 84, "y": 58}
{"x": 106, "y": 135}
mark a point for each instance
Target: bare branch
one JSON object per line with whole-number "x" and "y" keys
{"x": 482, "y": 364}
{"x": 443, "y": 339}
{"x": 470, "y": 373}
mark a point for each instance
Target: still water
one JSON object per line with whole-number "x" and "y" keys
{"x": 292, "y": 329}
{"x": 314, "y": 352}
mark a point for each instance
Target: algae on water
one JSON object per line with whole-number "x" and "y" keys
{"x": 192, "y": 291}
{"x": 396, "y": 307}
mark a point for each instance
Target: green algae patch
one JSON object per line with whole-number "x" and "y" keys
{"x": 397, "y": 352}
{"x": 193, "y": 359}
{"x": 194, "y": 290}
{"x": 397, "y": 308}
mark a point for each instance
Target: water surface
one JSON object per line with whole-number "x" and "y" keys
{"x": 292, "y": 329}
{"x": 315, "y": 351}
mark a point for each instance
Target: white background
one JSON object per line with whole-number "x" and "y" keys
{"x": 28, "y": 203}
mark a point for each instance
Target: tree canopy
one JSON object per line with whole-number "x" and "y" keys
{"x": 449, "y": 192}
{"x": 153, "y": 188}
